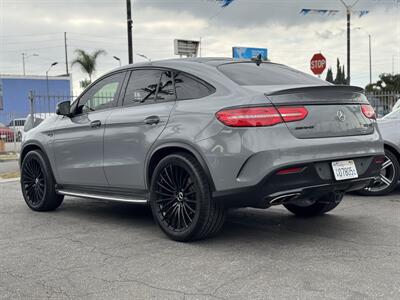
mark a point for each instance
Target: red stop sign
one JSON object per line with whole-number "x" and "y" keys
{"x": 318, "y": 64}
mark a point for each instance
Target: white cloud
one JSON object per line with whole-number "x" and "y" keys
{"x": 292, "y": 39}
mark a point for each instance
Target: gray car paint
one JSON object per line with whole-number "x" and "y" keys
{"x": 127, "y": 140}
{"x": 234, "y": 157}
{"x": 78, "y": 146}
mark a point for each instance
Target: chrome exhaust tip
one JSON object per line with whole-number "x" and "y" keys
{"x": 283, "y": 199}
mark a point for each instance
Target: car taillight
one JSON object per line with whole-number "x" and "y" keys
{"x": 291, "y": 114}
{"x": 368, "y": 111}
{"x": 250, "y": 117}
{"x": 260, "y": 116}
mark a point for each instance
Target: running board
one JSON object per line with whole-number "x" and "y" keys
{"x": 101, "y": 197}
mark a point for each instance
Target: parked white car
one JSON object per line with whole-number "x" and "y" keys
{"x": 396, "y": 105}
{"x": 17, "y": 125}
{"x": 35, "y": 121}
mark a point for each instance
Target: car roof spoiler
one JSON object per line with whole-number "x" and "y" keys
{"x": 325, "y": 88}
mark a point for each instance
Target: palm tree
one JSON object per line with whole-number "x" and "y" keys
{"x": 87, "y": 61}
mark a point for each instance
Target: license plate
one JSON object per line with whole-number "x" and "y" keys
{"x": 345, "y": 169}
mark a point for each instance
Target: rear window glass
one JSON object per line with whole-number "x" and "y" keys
{"x": 266, "y": 74}
{"x": 189, "y": 88}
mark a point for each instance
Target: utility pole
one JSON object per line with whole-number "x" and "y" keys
{"x": 369, "y": 51}
{"x": 66, "y": 53}
{"x": 393, "y": 60}
{"x": 24, "y": 57}
{"x": 23, "y": 63}
{"x": 348, "y": 12}
{"x": 129, "y": 24}
{"x": 331, "y": 12}
{"x": 370, "y": 59}
{"x": 47, "y": 84}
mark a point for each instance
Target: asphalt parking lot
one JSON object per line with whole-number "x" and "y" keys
{"x": 96, "y": 250}
{"x": 9, "y": 166}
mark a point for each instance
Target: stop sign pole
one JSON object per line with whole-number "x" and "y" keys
{"x": 318, "y": 64}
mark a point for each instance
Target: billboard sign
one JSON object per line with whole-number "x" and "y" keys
{"x": 186, "y": 48}
{"x": 1, "y": 94}
{"x": 249, "y": 53}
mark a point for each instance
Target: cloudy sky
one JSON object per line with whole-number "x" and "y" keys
{"x": 38, "y": 26}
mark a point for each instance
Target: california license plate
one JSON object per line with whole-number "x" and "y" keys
{"x": 345, "y": 169}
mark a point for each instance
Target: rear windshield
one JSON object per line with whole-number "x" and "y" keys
{"x": 266, "y": 74}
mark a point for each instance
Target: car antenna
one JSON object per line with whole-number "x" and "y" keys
{"x": 257, "y": 59}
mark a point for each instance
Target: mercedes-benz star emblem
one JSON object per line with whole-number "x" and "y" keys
{"x": 341, "y": 116}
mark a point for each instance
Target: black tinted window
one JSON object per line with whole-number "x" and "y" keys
{"x": 266, "y": 74}
{"x": 166, "y": 87}
{"x": 189, "y": 88}
{"x": 142, "y": 86}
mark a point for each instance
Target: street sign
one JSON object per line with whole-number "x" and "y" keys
{"x": 249, "y": 53}
{"x": 186, "y": 48}
{"x": 318, "y": 64}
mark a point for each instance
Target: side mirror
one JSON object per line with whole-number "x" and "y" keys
{"x": 64, "y": 108}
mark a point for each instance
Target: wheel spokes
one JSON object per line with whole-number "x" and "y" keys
{"x": 387, "y": 163}
{"x": 176, "y": 197}
{"x": 33, "y": 181}
{"x": 385, "y": 180}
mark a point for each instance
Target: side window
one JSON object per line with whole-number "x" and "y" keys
{"x": 189, "y": 88}
{"x": 102, "y": 95}
{"x": 142, "y": 86}
{"x": 166, "y": 88}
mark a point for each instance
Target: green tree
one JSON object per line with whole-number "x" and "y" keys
{"x": 329, "y": 75}
{"x": 340, "y": 74}
{"x": 344, "y": 80}
{"x": 386, "y": 83}
{"x": 338, "y": 78}
{"x": 84, "y": 83}
{"x": 87, "y": 61}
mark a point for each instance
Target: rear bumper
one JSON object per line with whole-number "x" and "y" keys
{"x": 315, "y": 180}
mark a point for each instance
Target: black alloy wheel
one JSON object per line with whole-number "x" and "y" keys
{"x": 177, "y": 201}
{"x": 180, "y": 199}
{"x": 33, "y": 181}
{"x": 38, "y": 184}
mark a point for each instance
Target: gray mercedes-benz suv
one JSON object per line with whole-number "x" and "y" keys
{"x": 195, "y": 137}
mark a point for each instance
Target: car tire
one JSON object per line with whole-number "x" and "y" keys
{"x": 180, "y": 199}
{"x": 321, "y": 206}
{"x": 38, "y": 184}
{"x": 390, "y": 171}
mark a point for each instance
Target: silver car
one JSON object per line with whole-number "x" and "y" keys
{"x": 195, "y": 137}
{"x": 390, "y": 171}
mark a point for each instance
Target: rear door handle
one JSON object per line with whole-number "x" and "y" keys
{"x": 152, "y": 120}
{"x": 95, "y": 124}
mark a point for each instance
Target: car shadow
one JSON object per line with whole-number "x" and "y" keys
{"x": 272, "y": 226}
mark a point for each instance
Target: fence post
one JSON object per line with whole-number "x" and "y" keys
{"x": 31, "y": 98}
{"x": 15, "y": 134}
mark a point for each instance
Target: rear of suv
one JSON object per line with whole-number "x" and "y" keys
{"x": 195, "y": 137}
